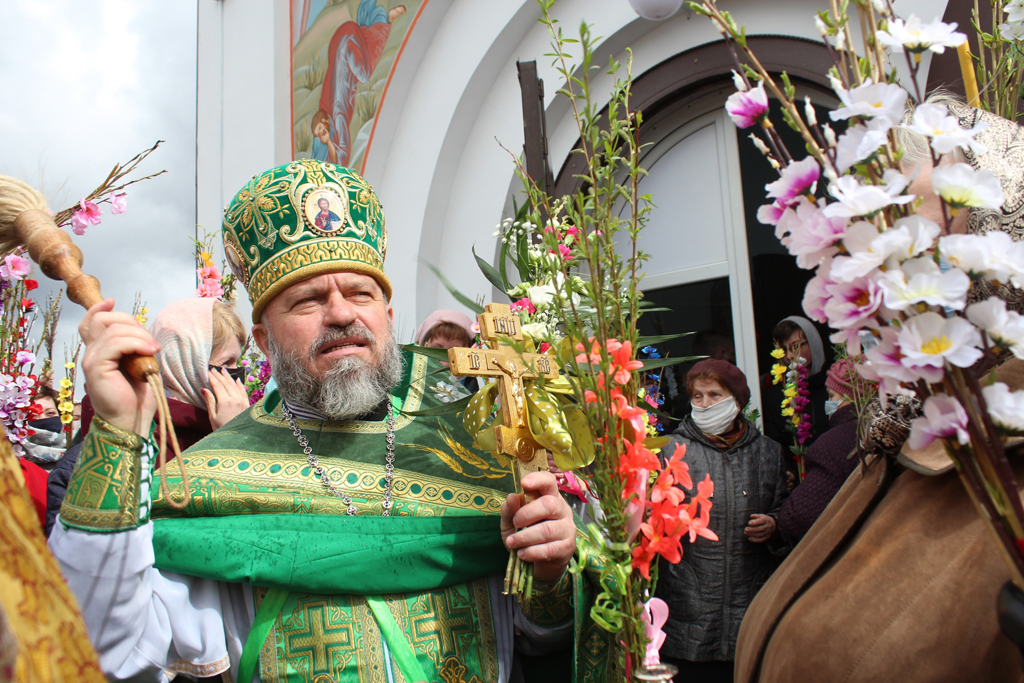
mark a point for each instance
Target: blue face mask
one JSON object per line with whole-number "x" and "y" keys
{"x": 831, "y": 407}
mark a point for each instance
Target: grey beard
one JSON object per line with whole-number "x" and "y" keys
{"x": 352, "y": 387}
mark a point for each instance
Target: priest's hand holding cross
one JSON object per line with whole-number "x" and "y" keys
{"x": 546, "y": 534}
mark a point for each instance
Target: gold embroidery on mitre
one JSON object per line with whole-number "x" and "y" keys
{"x": 328, "y": 253}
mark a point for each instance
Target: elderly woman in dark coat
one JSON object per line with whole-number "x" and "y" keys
{"x": 709, "y": 590}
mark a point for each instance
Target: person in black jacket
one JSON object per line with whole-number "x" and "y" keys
{"x": 828, "y": 461}
{"x": 709, "y": 590}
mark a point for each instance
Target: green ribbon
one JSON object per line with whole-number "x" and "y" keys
{"x": 399, "y": 645}
{"x": 303, "y": 553}
{"x": 266, "y": 615}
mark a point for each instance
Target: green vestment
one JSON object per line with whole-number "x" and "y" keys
{"x": 250, "y": 482}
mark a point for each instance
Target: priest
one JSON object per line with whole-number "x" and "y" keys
{"x": 332, "y": 532}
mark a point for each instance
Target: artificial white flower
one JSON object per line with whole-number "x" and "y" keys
{"x": 1005, "y": 328}
{"x": 1005, "y": 407}
{"x": 934, "y": 121}
{"x": 929, "y": 341}
{"x": 536, "y": 331}
{"x": 922, "y": 234}
{"x": 960, "y": 185}
{"x": 809, "y": 113}
{"x": 921, "y": 281}
{"x": 738, "y": 81}
{"x": 855, "y": 199}
{"x": 1014, "y": 10}
{"x": 541, "y": 295}
{"x": 970, "y": 253}
{"x": 1012, "y": 31}
{"x": 860, "y": 142}
{"x": 993, "y": 256}
{"x": 881, "y": 100}
{"x": 913, "y": 36}
{"x": 868, "y": 249}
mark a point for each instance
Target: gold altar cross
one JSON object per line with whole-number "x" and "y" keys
{"x": 510, "y": 368}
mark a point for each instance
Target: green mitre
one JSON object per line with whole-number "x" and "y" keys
{"x": 299, "y": 220}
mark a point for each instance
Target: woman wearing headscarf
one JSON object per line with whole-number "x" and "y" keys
{"x": 200, "y": 344}
{"x": 798, "y": 337}
{"x": 709, "y": 589}
{"x": 829, "y": 461}
{"x": 448, "y": 329}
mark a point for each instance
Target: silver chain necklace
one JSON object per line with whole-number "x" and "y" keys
{"x": 389, "y": 458}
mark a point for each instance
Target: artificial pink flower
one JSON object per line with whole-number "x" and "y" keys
{"x": 118, "y": 203}
{"x": 799, "y": 178}
{"x": 853, "y": 303}
{"x": 944, "y": 418}
{"x": 208, "y": 273}
{"x": 809, "y": 234}
{"x": 748, "y": 108}
{"x": 769, "y": 214}
{"x": 655, "y": 616}
{"x": 15, "y": 267}
{"x": 210, "y": 289}
{"x": 816, "y": 294}
{"x": 25, "y": 358}
{"x": 523, "y": 305}
{"x": 88, "y": 214}
{"x": 884, "y": 365}
{"x": 564, "y": 251}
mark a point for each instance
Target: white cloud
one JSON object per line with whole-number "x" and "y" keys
{"x": 88, "y": 85}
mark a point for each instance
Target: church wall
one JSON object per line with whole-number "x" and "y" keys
{"x": 435, "y": 158}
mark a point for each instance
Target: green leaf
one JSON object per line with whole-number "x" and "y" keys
{"x": 438, "y": 354}
{"x": 502, "y": 267}
{"x": 652, "y": 363}
{"x": 443, "y": 409}
{"x": 659, "y": 338}
{"x": 492, "y": 275}
{"x": 462, "y": 298}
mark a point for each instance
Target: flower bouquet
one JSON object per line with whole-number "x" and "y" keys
{"x": 579, "y": 299}
{"x": 917, "y": 278}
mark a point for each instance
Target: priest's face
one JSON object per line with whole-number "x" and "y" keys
{"x": 331, "y": 344}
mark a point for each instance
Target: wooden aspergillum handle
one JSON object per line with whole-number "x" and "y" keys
{"x": 60, "y": 259}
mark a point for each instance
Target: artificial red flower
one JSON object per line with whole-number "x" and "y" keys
{"x": 622, "y": 357}
{"x": 30, "y": 284}
{"x": 27, "y": 303}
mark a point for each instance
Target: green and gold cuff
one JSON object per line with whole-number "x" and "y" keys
{"x": 551, "y": 602}
{"x": 110, "y": 487}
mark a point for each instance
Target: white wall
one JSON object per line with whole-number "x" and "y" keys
{"x": 435, "y": 160}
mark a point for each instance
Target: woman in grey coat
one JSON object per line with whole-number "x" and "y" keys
{"x": 709, "y": 590}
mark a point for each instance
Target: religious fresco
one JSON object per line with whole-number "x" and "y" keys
{"x": 343, "y": 53}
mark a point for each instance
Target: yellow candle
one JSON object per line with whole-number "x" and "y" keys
{"x": 963, "y": 51}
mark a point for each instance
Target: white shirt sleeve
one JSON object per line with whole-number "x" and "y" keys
{"x": 143, "y": 621}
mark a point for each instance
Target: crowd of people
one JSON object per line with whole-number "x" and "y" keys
{"x": 772, "y": 481}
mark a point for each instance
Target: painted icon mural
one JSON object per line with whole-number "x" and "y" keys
{"x": 343, "y": 53}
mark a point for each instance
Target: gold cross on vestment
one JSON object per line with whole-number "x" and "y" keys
{"x": 510, "y": 368}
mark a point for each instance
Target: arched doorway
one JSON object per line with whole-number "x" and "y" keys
{"x": 724, "y": 276}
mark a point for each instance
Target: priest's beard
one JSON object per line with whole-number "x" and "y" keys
{"x": 351, "y": 388}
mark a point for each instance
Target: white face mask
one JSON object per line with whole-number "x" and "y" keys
{"x": 716, "y": 419}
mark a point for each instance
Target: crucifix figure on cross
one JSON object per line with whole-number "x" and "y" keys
{"x": 510, "y": 368}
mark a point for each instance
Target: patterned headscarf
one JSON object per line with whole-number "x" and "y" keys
{"x": 184, "y": 330}
{"x": 1005, "y": 159}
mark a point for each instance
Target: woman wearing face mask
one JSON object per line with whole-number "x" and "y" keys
{"x": 828, "y": 460}
{"x": 200, "y": 343}
{"x": 709, "y": 590}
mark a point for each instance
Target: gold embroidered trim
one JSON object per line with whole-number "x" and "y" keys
{"x": 229, "y": 471}
{"x": 201, "y": 670}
